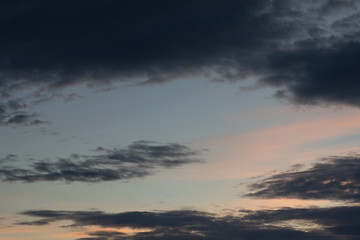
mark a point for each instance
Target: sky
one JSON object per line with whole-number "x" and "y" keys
{"x": 173, "y": 120}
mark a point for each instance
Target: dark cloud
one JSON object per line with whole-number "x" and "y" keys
{"x": 335, "y": 178}
{"x": 335, "y": 6}
{"x": 68, "y": 42}
{"x": 300, "y": 47}
{"x": 317, "y": 75}
{"x": 323, "y": 223}
{"x": 137, "y": 160}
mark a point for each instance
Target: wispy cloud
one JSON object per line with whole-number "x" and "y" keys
{"x": 139, "y": 159}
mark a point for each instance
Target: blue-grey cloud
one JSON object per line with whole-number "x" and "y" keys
{"x": 139, "y": 159}
{"x": 334, "y": 178}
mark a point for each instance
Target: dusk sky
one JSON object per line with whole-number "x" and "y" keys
{"x": 179, "y": 120}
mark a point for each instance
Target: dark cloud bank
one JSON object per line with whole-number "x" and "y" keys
{"x": 137, "y": 160}
{"x": 308, "y": 50}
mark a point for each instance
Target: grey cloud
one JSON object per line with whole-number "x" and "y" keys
{"x": 55, "y": 45}
{"x": 12, "y": 114}
{"x": 348, "y": 24}
{"x": 8, "y": 158}
{"x": 335, "y": 178}
{"x": 19, "y": 118}
{"x": 333, "y": 223}
{"x": 334, "y": 6}
{"x": 137, "y": 160}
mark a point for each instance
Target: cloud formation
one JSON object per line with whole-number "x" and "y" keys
{"x": 335, "y": 178}
{"x": 139, "y": 159}
{"x": 325, "y": 223}
{"x": 306, "y": 50}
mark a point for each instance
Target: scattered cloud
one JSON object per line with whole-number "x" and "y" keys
{"x": 334, "y": 178}
{"x": 327, "y": 223}
{"x": 139, "y": 159}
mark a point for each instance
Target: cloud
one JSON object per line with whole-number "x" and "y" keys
{"x": 139, "y": 159}
{"x": 12, "y": 114}
{"x": 337, "y": 220}
{"x": 317, "y": 75}
{"x": 301, "y": 49}
{"x": 105, "y": 235}
{"x": 8, "y": 158}
{"x": 335, "y": 178}
{"x": 91, "y": 41}
{"x": 323, "y": 223}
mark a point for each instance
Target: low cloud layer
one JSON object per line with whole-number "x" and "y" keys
{"x": 309, "y": 50}
{"x": 137, "y": 160}
{"x": 335, "y": 178}
{"x": 311, "y": 223}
